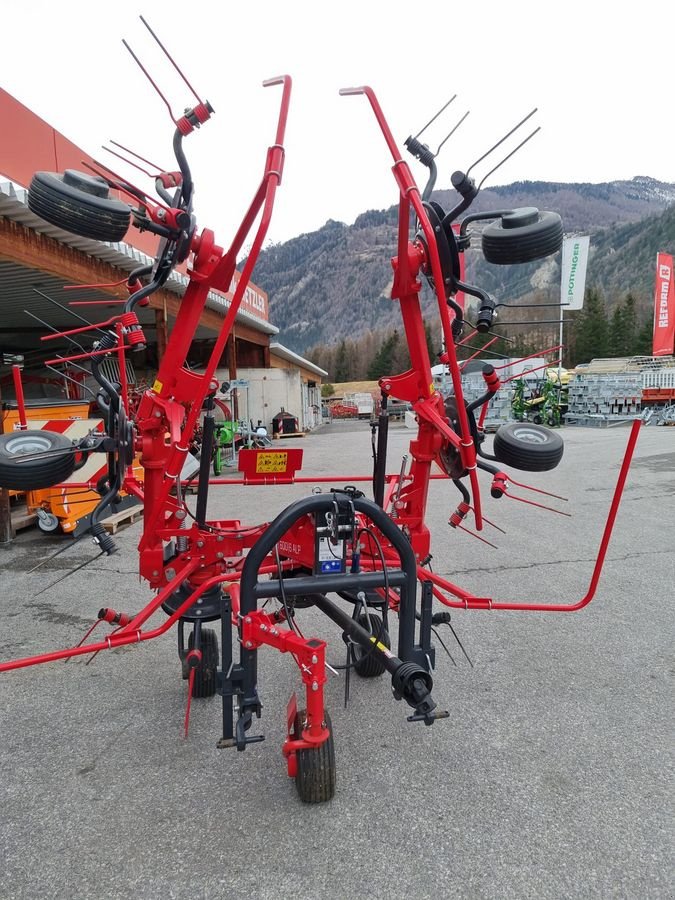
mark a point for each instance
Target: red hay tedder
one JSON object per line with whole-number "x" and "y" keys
{"x": 370, "y": 554}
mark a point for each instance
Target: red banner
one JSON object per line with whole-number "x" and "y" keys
{"x": 664, "y": 306}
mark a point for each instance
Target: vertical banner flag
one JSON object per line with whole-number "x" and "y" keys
{"x": 664, "y": 306}
{"x": 573, "y": 271}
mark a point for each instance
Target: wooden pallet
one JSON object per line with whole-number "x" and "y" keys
{"x": 125, "y": 517}
{"x": 21, "y": 518}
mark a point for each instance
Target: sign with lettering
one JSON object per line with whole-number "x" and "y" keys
{"x": 664, "y": 306}
{"x": 272, "y": 461}
{"x": 573, "y": 271}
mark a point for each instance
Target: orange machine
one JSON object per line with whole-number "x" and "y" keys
{"x": 65, "y": 507}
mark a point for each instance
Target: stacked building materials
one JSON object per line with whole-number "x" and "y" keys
{"x": 610, "y": 391}
{"x": 499, "y": 408}
{"x": 658, "y": 386}
{"x": 604, "y": 399}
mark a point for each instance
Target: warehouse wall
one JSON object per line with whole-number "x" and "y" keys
{"x": 271, "y": 389}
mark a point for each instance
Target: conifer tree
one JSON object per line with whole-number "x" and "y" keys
{"x": 623, "y": 328}
{"x": 383, "y": 362}
{"x": 342, "y": 363}
{"x": 644, "y": 341}
{"x": 591, "y": 329}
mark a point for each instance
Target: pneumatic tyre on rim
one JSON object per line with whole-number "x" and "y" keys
{"x": 532, "y": 448}
{"x": 20, "y": 472}
{"x": 522, "y": 236}
{"x": 204, "y": 684}
{"x": 315, "y": 773}
{"x": 368, "y": 664}
{"x": 79, "y": 203}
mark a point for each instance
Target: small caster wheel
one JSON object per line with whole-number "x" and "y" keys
{"x": 366, "y": 663}
{"x": 47, "y": 521}
{"x": 204, "y": 684}
{"x": 315, "y": 772}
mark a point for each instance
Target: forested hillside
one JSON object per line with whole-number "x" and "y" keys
{"x": 333, "y": 285}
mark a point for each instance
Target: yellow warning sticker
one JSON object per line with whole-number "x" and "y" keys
{"x": 157, "y": 386}
{"x": 274, "y": 461}
{"x": 380, "y": 646}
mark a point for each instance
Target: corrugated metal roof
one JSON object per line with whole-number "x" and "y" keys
{"x": 14, "y": 206}
{"x": 290, "y": 356}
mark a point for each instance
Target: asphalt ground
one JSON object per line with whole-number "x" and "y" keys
{"x": 552, "y": 777}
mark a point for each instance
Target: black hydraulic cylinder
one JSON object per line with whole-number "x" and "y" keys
{"x": 208, "y": 429}
{"x": 381, "y": 464}
{"x": 226, "y": 686}
{"x": 426, "y": 621}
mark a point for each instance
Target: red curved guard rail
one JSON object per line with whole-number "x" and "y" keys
{"x": 470, "y": 601}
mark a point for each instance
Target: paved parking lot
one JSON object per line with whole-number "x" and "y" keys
{"x": 551, "y": 778}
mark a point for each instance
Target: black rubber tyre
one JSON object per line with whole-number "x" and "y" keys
{"x": 204, "y": 684}
{"x": 523, "y": 235}
{"x": 34, "y": 474}
{"x": 315, "y": 774}
{"x": 79, "y": 203}
{"x": 366, "y": 663}
{"x": 532, "y": 448}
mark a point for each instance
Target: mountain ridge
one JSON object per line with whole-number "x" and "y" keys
{"x": 334, "y": 282}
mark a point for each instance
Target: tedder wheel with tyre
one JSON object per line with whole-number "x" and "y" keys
{"x": 522, "y": 236}
{"x": 315, "y": 767}
{"x": 79, "y": 203}
{"x": 366, "y": 663}
{"x": 204, "y": 684}
{"x": 526, "y": 446}
{"x": 31, "y": 460}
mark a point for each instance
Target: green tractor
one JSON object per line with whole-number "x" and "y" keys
{"x": 543, "y": 404}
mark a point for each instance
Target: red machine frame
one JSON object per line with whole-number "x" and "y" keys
{"x": 232, "y": 559}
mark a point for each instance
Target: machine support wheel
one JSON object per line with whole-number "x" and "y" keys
{"x": 315, "y": 772}
{"x": 204, "y": 684}
{"x": 79, "y": 203}
{"x": 35, "y": 459}
{"x": 367, "y": 664}
{"x": 521, "y": 236}
{"x": 529, "y": 447}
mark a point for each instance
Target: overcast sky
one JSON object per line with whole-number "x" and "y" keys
{"x": 600, "y": 74}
